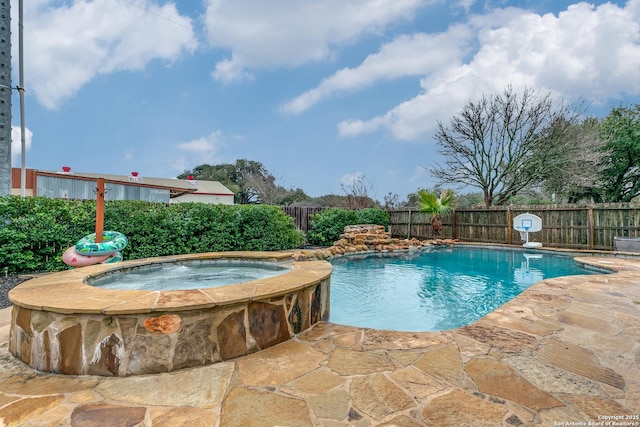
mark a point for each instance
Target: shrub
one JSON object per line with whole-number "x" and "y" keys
{"x": 35, "y": 231}
{"x": 265, "y": 228}
{"x": 373, "y": 216}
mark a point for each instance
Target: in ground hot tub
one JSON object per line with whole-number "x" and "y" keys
{"x": 61, "y": 324}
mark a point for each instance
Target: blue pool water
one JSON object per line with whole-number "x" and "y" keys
{"x": 437, "y": 290}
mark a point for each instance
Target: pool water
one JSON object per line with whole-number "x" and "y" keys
{"x": 194, "y": 275}
{"x": 437, "y": 290}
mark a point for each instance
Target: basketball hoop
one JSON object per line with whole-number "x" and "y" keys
{"x": 523, "y": 235}
{"x": 525, "y": 224}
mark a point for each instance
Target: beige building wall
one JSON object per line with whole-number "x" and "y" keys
{"x": 204, "y": 198}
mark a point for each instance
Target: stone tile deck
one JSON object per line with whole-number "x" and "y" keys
{"x": 565, "y": 351}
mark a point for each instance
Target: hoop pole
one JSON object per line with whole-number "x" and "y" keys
{"x": 99, "y": 209}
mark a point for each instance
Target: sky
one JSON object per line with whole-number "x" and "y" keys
{"x": 321, "y": 92}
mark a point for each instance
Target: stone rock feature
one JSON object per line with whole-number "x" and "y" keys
{"x": 365, "y": 238}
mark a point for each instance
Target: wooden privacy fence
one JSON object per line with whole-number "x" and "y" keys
{"x": 301, "y": 215}
{"x": 570, "y": 226}
{"x": 563, "y": 226}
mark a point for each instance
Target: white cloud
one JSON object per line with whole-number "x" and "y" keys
{"x": 585, "y": 51}
{"x": 293, "y": 32}
{"x": 69, "y": 45}
{"x": 465, "y": 4}
{"x": 197, "y": 151}
{"x": 357, "y": 127}
{"x": 229, "y": 71}
{"x": 351, "y": 178}
{"x": 407, "y": 55}
{"x": 16, "y": 143}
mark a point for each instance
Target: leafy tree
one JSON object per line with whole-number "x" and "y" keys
{"x": 250, "y": 181}
{"x": 412, "y": 199}
{"x": 265, "y": 188}
{"x": 436, "y": 206}
{"x": 573, "y": 163}
{"x": 294, "y": 196}
{"x": 236, "y": 177}
{"x": 224, "y": 173}
{"x": 469, "y": 199}
{"x": 246, "y": 172}
{"x": 326, "y": 201}
{"x": 270, "y": 193}
{"x": 491, "y": 143}
{"x": 620, "y": 175}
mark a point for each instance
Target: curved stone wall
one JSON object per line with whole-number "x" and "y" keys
{"x": 61, "y": 325}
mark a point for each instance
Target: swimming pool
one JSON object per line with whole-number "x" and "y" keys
{"x": 437, "y": 290}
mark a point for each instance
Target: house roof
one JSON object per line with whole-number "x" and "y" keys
{"x": 177, "y": 187}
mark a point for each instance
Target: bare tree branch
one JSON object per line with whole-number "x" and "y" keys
{"x": 491, "y": 142}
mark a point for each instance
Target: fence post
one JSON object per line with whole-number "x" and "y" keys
{"x": 409, "y": 225}
{"x": 509, "y": 225}
{"x": 454, "y": 226}
{"x": 590, "y": 228}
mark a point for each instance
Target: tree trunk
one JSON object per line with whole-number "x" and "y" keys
{"x": 436, "y": 224}
{"x": 488, "y": 198}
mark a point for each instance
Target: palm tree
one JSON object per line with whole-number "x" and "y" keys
{"x": 436, "y": 206}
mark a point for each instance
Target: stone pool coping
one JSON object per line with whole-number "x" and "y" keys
{"x": 66, "y": 291}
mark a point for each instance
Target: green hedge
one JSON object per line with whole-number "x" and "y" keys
{"x": 34, "y": 231}
{"x": 327, "y": 226}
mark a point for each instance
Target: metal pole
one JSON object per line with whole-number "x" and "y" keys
{"x": 99, "y": 209}
{"x": 23, "y": 145}
{"x": 5, "y": 99}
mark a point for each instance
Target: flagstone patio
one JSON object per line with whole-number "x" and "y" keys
{"x": 565, "y": 351}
